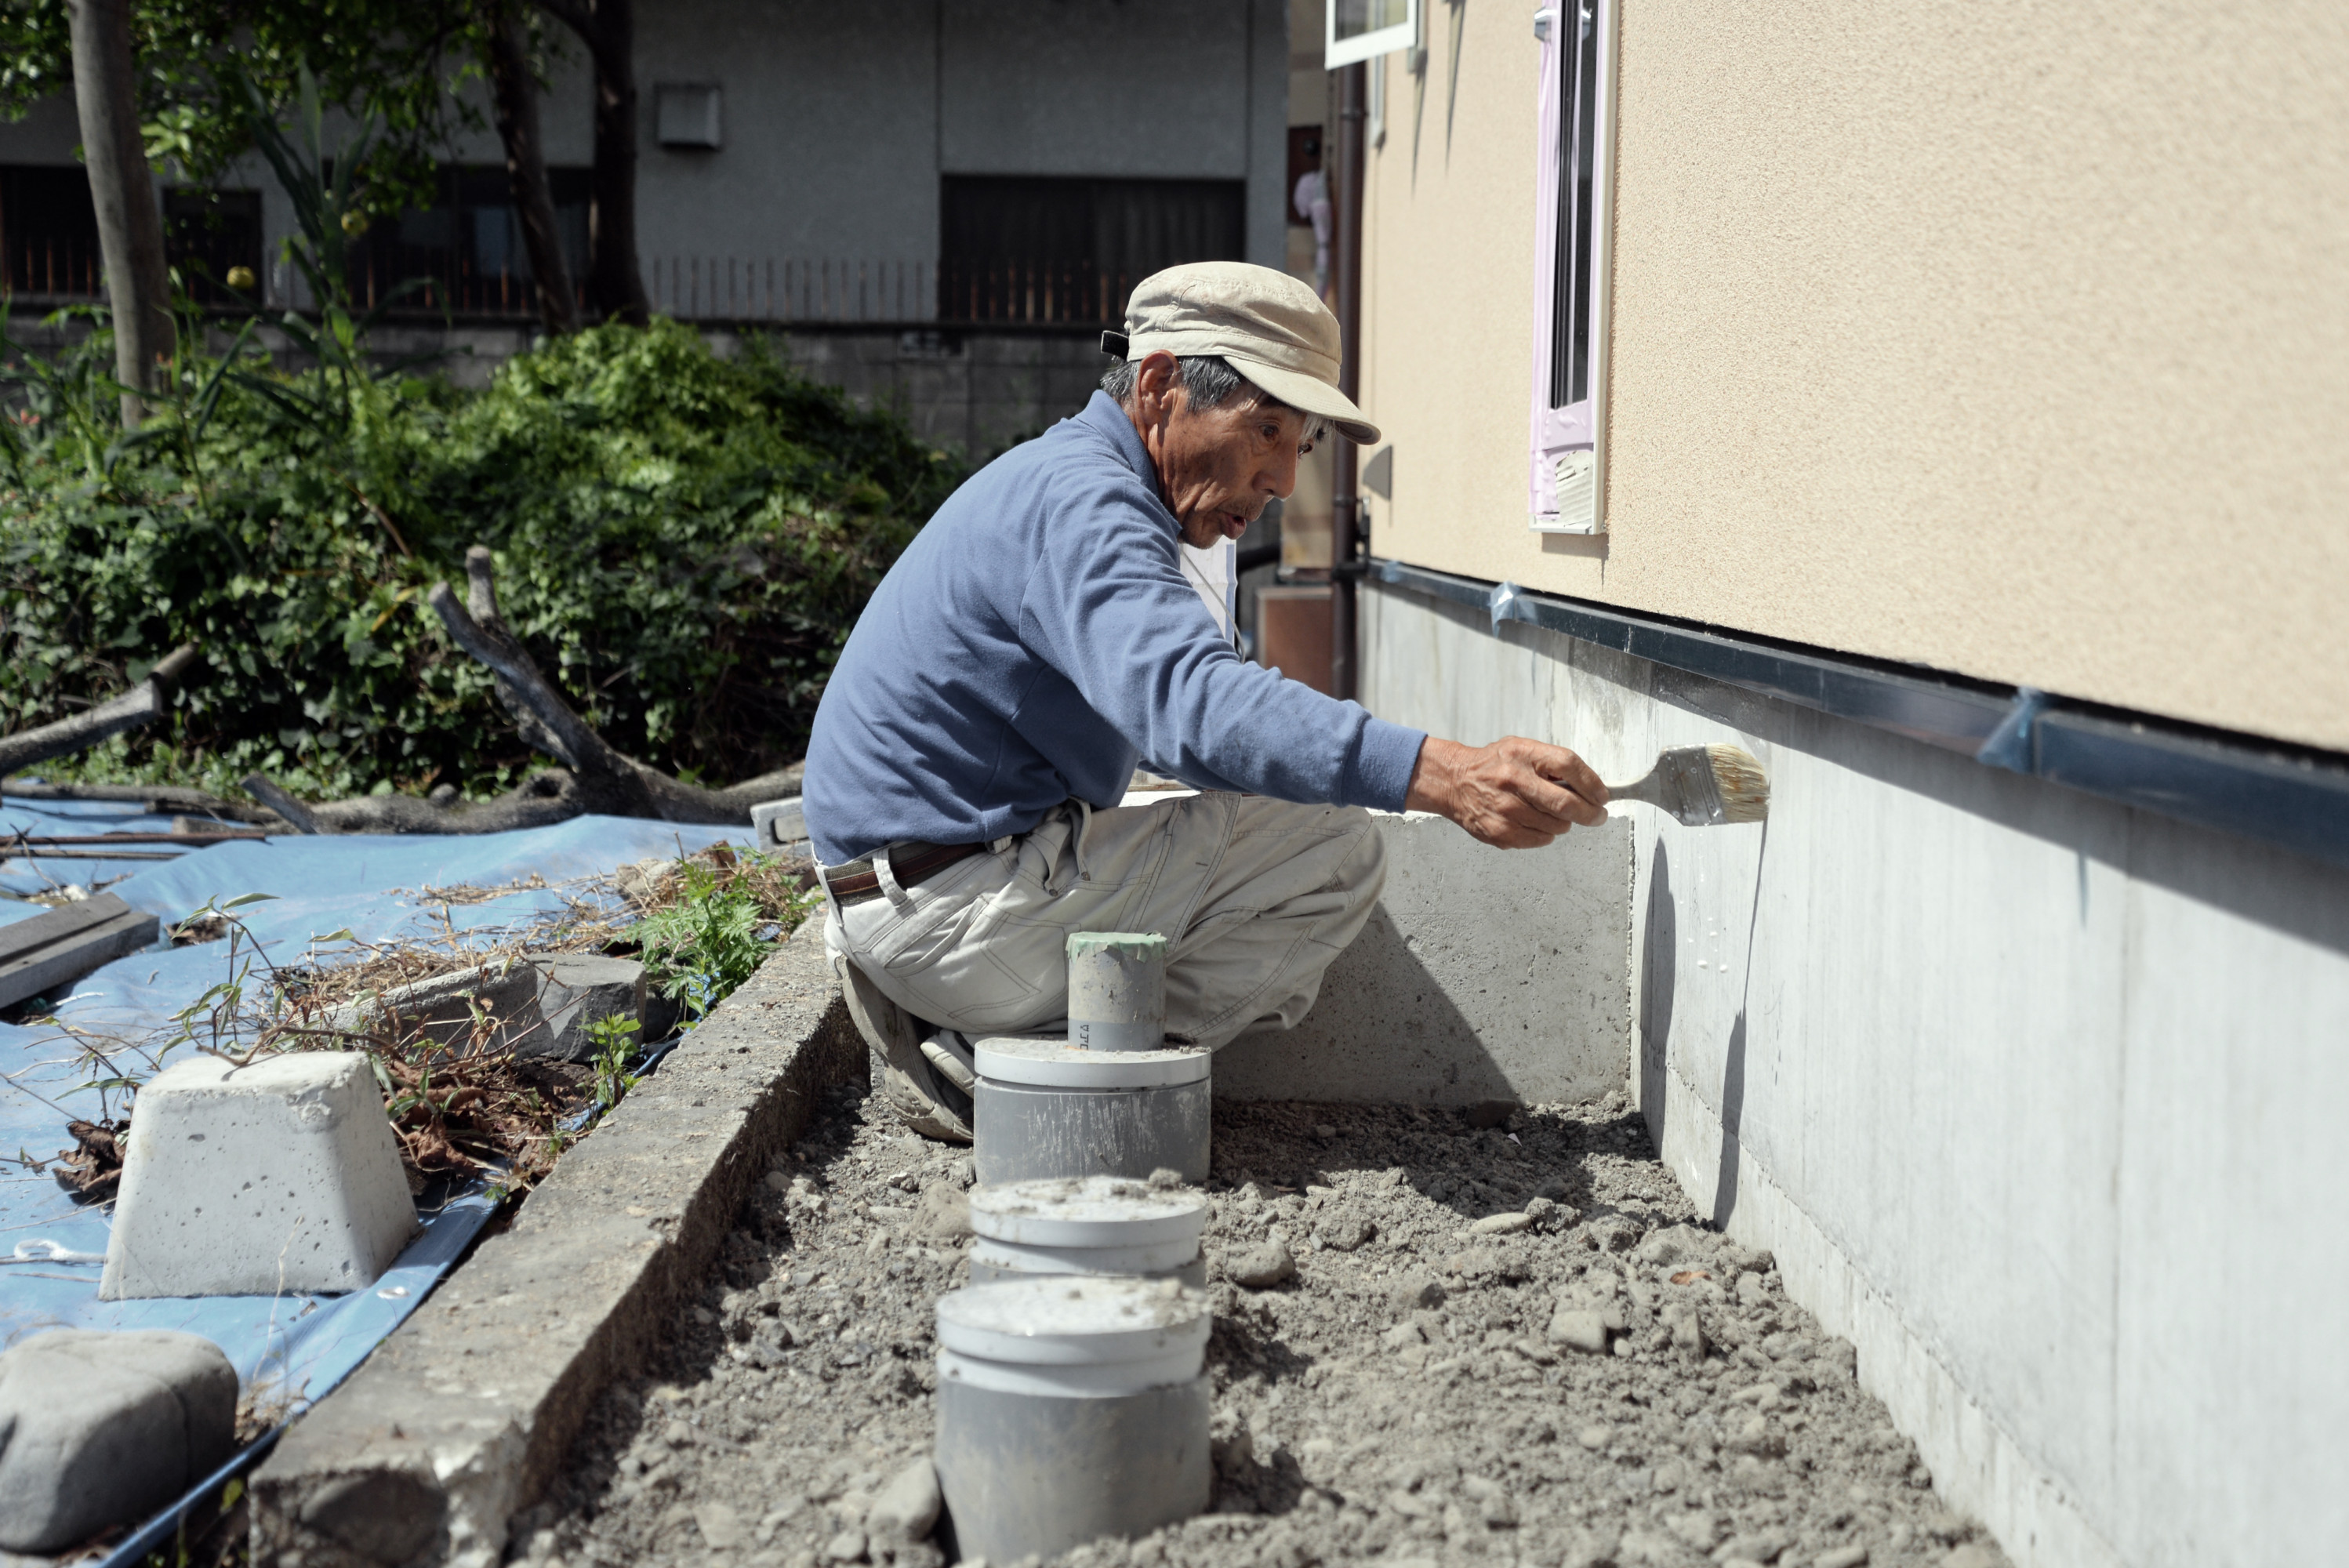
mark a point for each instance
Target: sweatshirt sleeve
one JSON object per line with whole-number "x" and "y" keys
{"x": 1108, "y": 607}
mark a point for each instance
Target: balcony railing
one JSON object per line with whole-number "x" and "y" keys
{"x": 53, "y": 271}
{"x": 784, "y": 290}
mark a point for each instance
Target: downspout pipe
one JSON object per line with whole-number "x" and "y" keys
{"x": 1345, "y": 497}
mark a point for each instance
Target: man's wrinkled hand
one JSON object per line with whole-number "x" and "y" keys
{"x": 1515, "y": 794}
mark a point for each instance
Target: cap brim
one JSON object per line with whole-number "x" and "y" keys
{"x": 1308, "y": 394}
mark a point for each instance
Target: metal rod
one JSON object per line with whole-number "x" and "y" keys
{"x": 7, "y": 854}
{"x": 1345, "y": 498}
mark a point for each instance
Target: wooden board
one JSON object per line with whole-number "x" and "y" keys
{"x": 61, "y": 946}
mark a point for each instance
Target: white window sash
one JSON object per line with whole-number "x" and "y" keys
{"x": 1370, "y": 46}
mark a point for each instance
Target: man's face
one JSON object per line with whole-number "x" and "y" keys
{"x": 1216, "y": 467}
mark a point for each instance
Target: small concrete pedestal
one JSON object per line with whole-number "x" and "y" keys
{"x": 281, "y": 1176}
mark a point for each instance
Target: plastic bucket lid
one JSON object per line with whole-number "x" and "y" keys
{"x": 1157, "y": 1257}
{"x": 1088, "y": 1211}
{"x": 1049, "y": 1061}
{"x": 1073, "y": 1321}
{"x": 1070, "y": 1382}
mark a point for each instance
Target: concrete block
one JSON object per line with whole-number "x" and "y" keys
{"x": 281, "y": 1176}
{"x": 575, "y": 990}
{"x": 57, "y": 948}
{"x": 444, "y": 1006}
{"x": 779, "y": 824}
{"x": 99, "y": 1428}
{"x": 543, "y": 1005}
{"x": 1483, "y": 974}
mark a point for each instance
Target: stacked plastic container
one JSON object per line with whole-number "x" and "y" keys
{"x": 1102, "y": 1226}
{"x": 1070, "y": 1409}
{"x": 1072, "y": 1402}
{"x": 1109, "y": 1098}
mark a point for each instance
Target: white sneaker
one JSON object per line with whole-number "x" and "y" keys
{"x": 948, "y": 1051}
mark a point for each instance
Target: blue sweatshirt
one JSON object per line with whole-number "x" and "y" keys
{"x": 1035, "y": 641}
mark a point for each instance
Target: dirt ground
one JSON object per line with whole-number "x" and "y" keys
{"x": 1511, "y": 1343}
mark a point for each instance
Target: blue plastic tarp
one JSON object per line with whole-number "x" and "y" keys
{"x": 291, "y": 1349}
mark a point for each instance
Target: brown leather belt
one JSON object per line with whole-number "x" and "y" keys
{"x": 857, "y": 881}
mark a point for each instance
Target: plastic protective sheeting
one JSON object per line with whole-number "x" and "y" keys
{"x": 289, "y": 1350}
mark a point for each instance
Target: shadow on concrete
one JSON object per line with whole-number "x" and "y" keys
{"x": 1733, "y": 1069}
{"x": 1732, "y": 1113}
{"x": 1421, "y": 1050}
{"x": 1658, "y": 977}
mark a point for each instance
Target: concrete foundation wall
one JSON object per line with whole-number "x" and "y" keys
{"x": 2034, "y": 1096}
{"x": 1483, "y": 974}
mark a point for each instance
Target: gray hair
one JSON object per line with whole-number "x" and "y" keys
{"x": 1210, "y": 381}
{"x": 1209, "y": 378}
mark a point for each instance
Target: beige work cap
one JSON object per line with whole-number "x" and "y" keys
{"x": 1272, "y": 328}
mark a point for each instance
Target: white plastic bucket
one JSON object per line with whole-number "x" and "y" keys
{"x": 1096, "y": 1225}
{"x": 1044, "y": 1108}
{"x": 1069, "y": 1409}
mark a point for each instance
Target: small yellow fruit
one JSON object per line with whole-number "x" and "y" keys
{"x": 240, "y": 277}
{"x": 354, "y": 224}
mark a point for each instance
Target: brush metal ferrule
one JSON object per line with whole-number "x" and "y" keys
{"x": 1688, "y": 789}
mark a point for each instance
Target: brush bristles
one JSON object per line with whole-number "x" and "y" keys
{"x": 1744, "y": 788}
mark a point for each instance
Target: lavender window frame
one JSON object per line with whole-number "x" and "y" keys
{"x": 1573, "y": 234}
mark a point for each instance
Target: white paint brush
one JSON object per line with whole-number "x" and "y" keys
{"x": 1703, "y": 786}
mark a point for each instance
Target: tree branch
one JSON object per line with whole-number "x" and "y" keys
{"x": 575, "y": 17}
{"x": 608, "y": 781}
{"x": 142, "y": 703}
{"x": 266, "y": 790}
{"x": 156, "y": 798}
{"x": 601, "y": 779}
{"x": 540, "y": 802}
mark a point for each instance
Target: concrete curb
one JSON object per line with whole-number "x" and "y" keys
{"x": 462, "y": 1417}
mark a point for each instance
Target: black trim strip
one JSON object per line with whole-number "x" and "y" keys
{"x": 2292, "y": 797}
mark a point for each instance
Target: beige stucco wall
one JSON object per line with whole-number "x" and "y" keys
{"x": 2012, "y": 341}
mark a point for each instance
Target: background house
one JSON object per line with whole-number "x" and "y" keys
{"x": 1944, "y": 358}
{"x": 936, "y": 198}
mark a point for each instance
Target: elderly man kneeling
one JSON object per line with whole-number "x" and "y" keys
{"x": 1039, "y": 637}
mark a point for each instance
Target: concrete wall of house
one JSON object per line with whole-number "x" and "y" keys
{"x": 2008, "y": 341}
{"x": 2033, "y": 1095}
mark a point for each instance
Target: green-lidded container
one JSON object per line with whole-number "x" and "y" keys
{"x": 1117, "y": 990}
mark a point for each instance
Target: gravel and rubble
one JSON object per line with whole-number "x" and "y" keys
{"x": 1499, "y": 1335}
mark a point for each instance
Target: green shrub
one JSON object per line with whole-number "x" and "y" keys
{"x": 682, "y": 541}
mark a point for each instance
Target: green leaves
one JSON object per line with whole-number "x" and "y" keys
{"x": 682, "y": 542}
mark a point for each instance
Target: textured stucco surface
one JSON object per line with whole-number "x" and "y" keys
{"x": 2008, "y": 341}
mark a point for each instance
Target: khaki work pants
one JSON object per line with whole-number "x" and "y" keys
{"x": 1255, "y": 897}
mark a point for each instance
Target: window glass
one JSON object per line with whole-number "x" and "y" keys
{"x": 1365, "y": 29}
{"x": 1355, "y": 18}
{"x": 1571, "y": 354}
